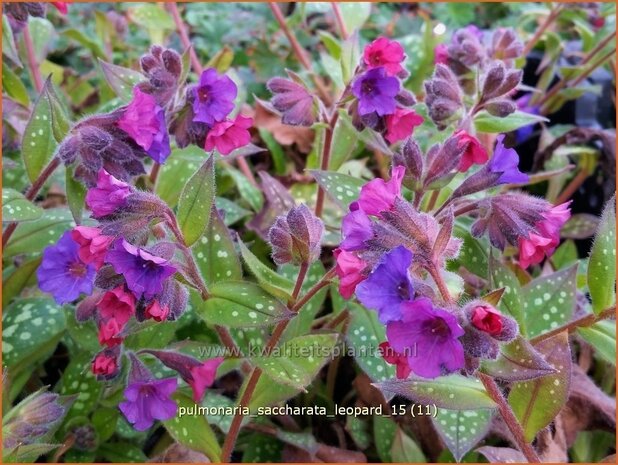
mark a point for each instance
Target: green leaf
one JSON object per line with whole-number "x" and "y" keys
{"x": 365, "y": 333}
{"x": 154, "y": 19}
{"x": 154, "y": 335}
{"x": 13, "y": 86}
{"x": 238, "y": 304}
{"x": 354, "y": 14}
{"x": 276, "y": 151}
{"x": 461, "y": 430}
{"x": 76, "y": 195}
{"x": 192, "y": 431}
{"x": 580, "y": 226}
{"x": 8, "y": 42}
{"x": 565, "y": 255}
{"x": 484, "y": 122}
{"x": 123, "y": 452}
{"x": 121, "y": 79}
{"x": 473, "y": 254}
{"x": 511, "y": 301}
{"x": 213, "y": 402}
{"x": 78, "y": 379}
{"x": 84, "y": 334}
{"x": 350, "y": 54}
{"x": 251, "y": 194}
{"x": 602, "y": 264}
{"x": 343, "y": 189}
{"x": 535, "y": 403}
{"x": 345, "y": 140}
{"x": 405, "y": 449}
{"x": 453, "y": 392}
{"x": 215, "y": 253}
{"x": 518, "y": 361}
{"x": 39, "y": 143}
{"x": 31, "y": 328}
{"x": 549, "y": 301}
{"x": 27, "y": 453}
{"x": 176, "y": 171}
{"x": 16, "y": 208}
{"x": 33, "y": 236}
{"x": 358, "y": 430}
{"x": 602, "y": 336}
{"x": 233, "y": 211}
{"x": 384, "y": 430}
{"x": 20, "y": 277}
{"x": 271, "y": 281}
{"x": 196, "y": 200}
{"x": 84, "y": 40}
{"x": 262, "y": 449}
{"x": 296, "y": 362}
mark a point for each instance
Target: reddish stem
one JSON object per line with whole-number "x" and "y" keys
{"x": 572, "y": 187}
{"x": 509, "y": 418}
{"x": 184, "y": 37}
{"x": 553, "y": 15}
{"x": 328, "y": 139}
{"x": 32, "y": 62}
{"x": 31, "y": 194}
{"x": 339, "y": 19}
{"x": 583, "y": 322}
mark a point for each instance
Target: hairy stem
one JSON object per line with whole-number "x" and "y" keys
{"x": 437, "y": 277}
{"x": 154, "y": 173}
{"x": 232, "y": 436}
{"x": 583, "y": 322}
{"x": 433, "y": 199}
{"x": 509, "y": 418}
{"x": 31, "y": 194}
{"x": 328, "y": 139}
{"x": 37, "y": 79}
{"x": 184, "y": 37}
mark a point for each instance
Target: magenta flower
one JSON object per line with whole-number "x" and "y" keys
{"x": 108, "y": 196}
{"x": 93, "y": 245}
{"x": 400, "y": 125}
{"x": 429, "y": 337}
{"x": 440, "y": 54}
{"x": 535, "y": 247}
{"x": 376, "y": 92}
{"x": 393, "y": 357}
{"x": 143, "y": 272}
{"x": 378, "y": 195}
{"x": 203, "y": 376}
{"x": 355, "y": 228}
{"x": 505, "y": 163}
{"x": 213, "y": 98}
{"x": 229, "y": 135}
{"x": 386, "y": 53}
{"x": 156, "y": 311}
{"x": 117, "y": 304}
{"x": 149, "y": 400}
{"x": 349, "y": 269}
{"x": 109, "y": 332}
{"x": 144, "y": 121}
{"x": 388, "y": 285}
{"x": 474, "y": 152}
{"x": 62, "y": 273}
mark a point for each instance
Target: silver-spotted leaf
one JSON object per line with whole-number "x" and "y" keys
{"x": 602, "y": 263}
{"x": 461, "y": 430}
{"x": 343, "y": 189}
{"x": 16, "y": 208}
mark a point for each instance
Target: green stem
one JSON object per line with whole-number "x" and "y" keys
{"x": 328, "y": 139}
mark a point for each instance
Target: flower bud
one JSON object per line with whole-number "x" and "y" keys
{"x": 485, "y": 318}
{"x": 501, "y": 108}
{"x": 478, "y": 344}
{"x": 156, "y": 311}
{"x": 443, "y": 95}
{"x": 500, "y": 81}
{"x": 174, "y": 298}
{"x": 86, "y": 437}
{"x": 106, "y": 364}
{"x": 505, "y": 45}
{"x": 466, "y": 47}
{"x": 410, "y": 157}
{"x": 442, "y": 160}
{"x": 296, "y": 238}
{"x": 162, "y": 67}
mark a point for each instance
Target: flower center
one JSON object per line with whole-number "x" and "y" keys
{"x": 202, "y": 93}
{"x": 403, "y": 291}
{"x": 77, "y": 269}
{"x": 439, "y": 328}
{"x": 368, "y": 86}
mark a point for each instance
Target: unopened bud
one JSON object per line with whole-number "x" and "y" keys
{"x": 296, "y": 237}
{"x": 410, "y": 157}
{"x": 505, "y": 45}
{"x": 501, "y": 108}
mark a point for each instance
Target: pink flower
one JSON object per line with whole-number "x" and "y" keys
{"x": 144, "y": 121}
{"x": 108, "y": 333}
{"x": 386, "y": 53}
{"x": 92, "y": 244}
{"x": 349, "y": 269}
{"x": 440, "y": 54}
{"x": 62, "y": 7}
{"x": 378, "y": 195}
{"x": 535, "y": 247}
{"x": 118, "y": 305}
{"x": 475, "y": 153}
{"x": 487, "y": 319}
{"x": 400, "y": 125}
{"x": 108, "y": 196}
{"x": 156, "y": 311}
{"x": 392, "y": 357}
{"x": 229, "y": 135}
{"x": 202, "y": 377}
{"x": 104, "y": 364}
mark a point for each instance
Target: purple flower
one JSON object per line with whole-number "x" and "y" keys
{"x": 147, "y": 398}
{"x": 523, "y": 103}
{"x": 355, "y": 228}
{"x": 214, "y": 97}
{"x": 109, "y": 195}
{"x": 376, "y": 92}
{"x": 293, "y": 101}
{"x": 144, "y": 121}
{"x": 506, "y": 163}
{"x": 62, "y": 273}
{"x": 143, "y": 272}
{"x": 429, "y": 337}
{"x": 388, "y": 285}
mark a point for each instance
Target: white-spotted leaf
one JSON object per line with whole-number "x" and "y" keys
{"x": 602, "y": 263}
{"x": 16, "y": 208}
